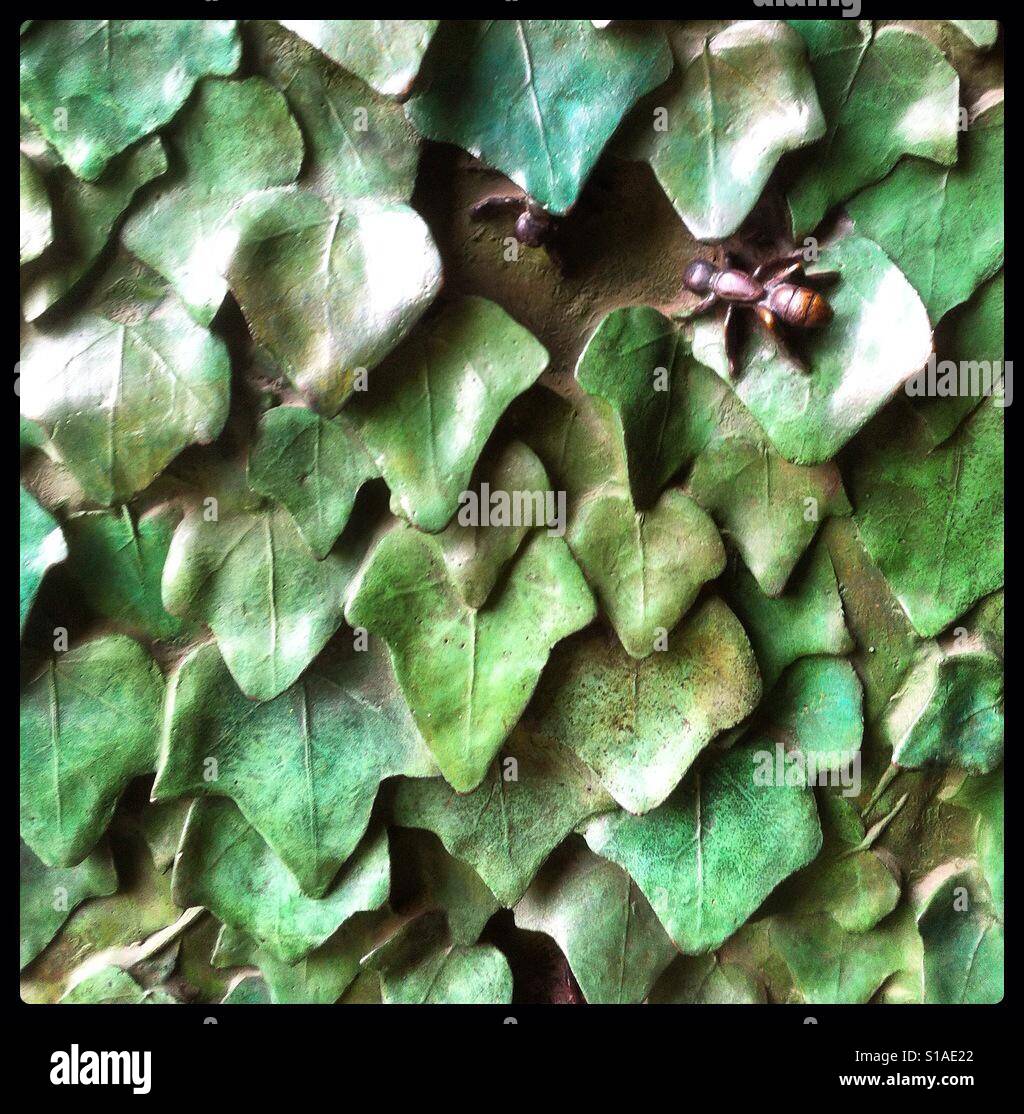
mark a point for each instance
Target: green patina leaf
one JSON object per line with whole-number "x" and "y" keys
{"x": 984, "y": 797}
{"x": 117, "y": 563}
{"x": 95, "y": 86}
{"x": 981, "y": 32}
{"x": 710, "y": 855}
{"x": 602, "y": 922}
{"x": 932, "y": 517}
{"x": 467, "y": 673}
{"x": 702, "y": 980}
{"x": 49, "y": 895}
{"x": 441, "y": 395}
{"x": 639, "y": 725}
{"x": 304, "y": 767}
{"x": 359, "y": 144}
{"x": 119, "y": 401}
{"x": 271, "y": 605}
{"x": 235, "y": 140}
{"x": 963, "y": 945}
{"x": 476, "y": 554}
{"x": 807, "y": 619}
{"x": 949, "y": 710}
{"x": 564, "y": 88}
{"x": 646, "y": 567}
{"x": 42, "y": 546}
{"x": 224, "y": 864}
{"x": 329, "y": 291}
{"x": 385, "y": 53}
{"x": 943, "y": 226}
{"x": 878, "y": 338}
{"x": 534, "y": 796}
{"x": 312, "y": 467}
{"x": 89, "y": 724}
{"x": 737, "y": 102}
{"x": 885, "y": 93}
{"x": 112, "y": 986}
{"x": 85, "y": 214}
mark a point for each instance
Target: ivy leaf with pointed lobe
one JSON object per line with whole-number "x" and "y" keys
{"x": 385, "y": 53}
{"x": 95, "y": 86}
{"x": 710, "y": 855}
{"x": 90, "y": 722}
{"x": 304, "y": 767}
{"x": 564, "y": 86}
{"x": 36, "y": 221}
{"x": 885, "y": 93}
{"x": 534, "y": 795}
{"x": 737, "y": 102}
{"x": 640, "y": 725}
{"x": 224, "y": 864}
{"x": 467, "y": 673}
{"x": 597, "y": 915}
{"x": 943, "y": 225}
{"x": 439, "y": 397}
{"x": 120, "y": 400}
{"x": 42, "y": 545}
{"x": 963, "y": 945}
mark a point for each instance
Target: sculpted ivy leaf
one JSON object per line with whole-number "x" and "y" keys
{"x": 533, "y": 797}
{"x": 95, "y": 86}
{"x": 511, "y": 483}
{"x": 442, "y": 882}
{"x": 320, "y": 978}
{"x": 330, "y": 290}
{"x": 736, "y": 103}
{"x": 42, "y": 546}
{"x": 233, "y": 141}
{"x": 885, "y": 93}
{"x": 807, "y": 619}
{"x": 467, "y": 673}
{"x": 830, "y": 965}
{"x": 304, "y": 767}
{"x": 112, "y": 986}
{"x": 358, "y": 143}
{"x": 703, "y": 980}
{"x": 86, "y": 214}
{"x": 884, "y": 642}
{"x": 878, "y": 338}
{"x": 817, "y": 708}
{"x": 963, "y": 945}
{"x": 35, "y": 218}
{"x": 949, "y": 710}
{"x": 770, "y": 509}
{"x": 421, "y": 966}
{"x": 848, "y": 880}
{"x": 312, "y": 467}
{"x": 639, "y": 725}
{"x": 119, "y": 401}
{"x": 89, "y": 724}
{"x": 49, "y": 895}
{"x": 594, "y": 911}
{"x": 564, "y": 88}
{"x": 984, "y": 797}
{"x": 646, "y": 567}
{"x": 942, "y": 225}
{"x": 385, "y": 53}
{"x": 271, "y": 605}
{"x": 981, "y": 32}
{"x": 117, "y": 562}
{"x": 660, "y": 410}
{"x": 710, "y": 855}
{"x": 224, "y": 865}
{"x": 441, "y": 396}
{"x": 932, "y": 517}
{"x": 249, "y": 990}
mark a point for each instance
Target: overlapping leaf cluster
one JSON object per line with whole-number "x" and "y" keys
{"x": 294, "y": 730}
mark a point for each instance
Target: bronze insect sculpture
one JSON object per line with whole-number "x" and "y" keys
{"x": 776, "y": 292}
{"x": 535, "y": 227}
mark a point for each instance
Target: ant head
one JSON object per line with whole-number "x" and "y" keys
{"x": 698, "y": 275}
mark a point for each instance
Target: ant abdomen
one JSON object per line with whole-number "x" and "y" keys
{"x": 799, "y": 306}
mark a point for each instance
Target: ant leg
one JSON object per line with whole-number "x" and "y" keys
{"x": 706, "y": 303}
{"x": 732, "y": 340}
{"x": 496, "y": 203}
